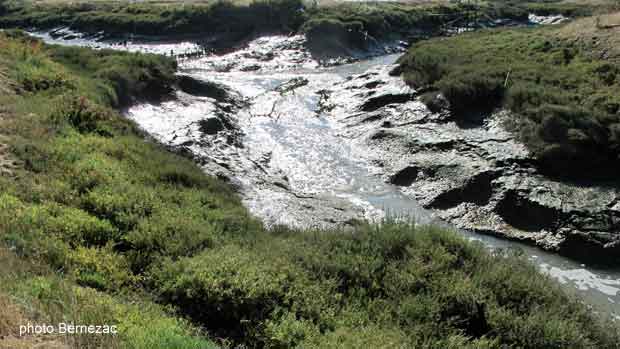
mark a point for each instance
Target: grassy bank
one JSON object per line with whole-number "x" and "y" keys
{"x": 32, "y": 292}
{"x": 244, "y": 17}
{"x": 333, "y": 28}
{"x": 122, "y": 18}
{"x": 45, "y": 100}
{"x": 100, "y": 226}
{"x": 561, "y": 83}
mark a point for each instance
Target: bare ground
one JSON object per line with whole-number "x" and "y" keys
{"x": 12, "y": 315}
{"x": 7, "y": 164}
{"x": 601, "y": 33}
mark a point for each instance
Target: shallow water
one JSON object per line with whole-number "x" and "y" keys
{"x": 308, "y": 151}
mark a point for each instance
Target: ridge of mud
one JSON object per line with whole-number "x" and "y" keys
{"x": 477, "y": 177}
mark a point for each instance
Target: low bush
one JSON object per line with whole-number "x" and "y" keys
{"x": 398, "y": 284}
{"x": 81, "y": 114}
{"x": 471, "y": 93}
{"x": 238, "y": 291}
{"x": 147, "y": 19}
{"x": 170, "y": 232}
{"x": 129, "y": 75}
{"x": 237, "y": 20}
{"x": 100, "y": 268}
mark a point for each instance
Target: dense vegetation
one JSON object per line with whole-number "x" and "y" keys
{"x": 147, "y": 19}
{"x": 339, "y": 24}
{"x": 564, "y": 98}
{"x": 98, "y": 223}
{"x": 553, "y": 7}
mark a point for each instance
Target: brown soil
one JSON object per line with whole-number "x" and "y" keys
{"x": 600, "y": 33}
{"x": 11, "y": 317}
{"x": 7, "y": 164}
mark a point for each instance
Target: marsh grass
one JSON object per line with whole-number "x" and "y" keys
{"x": 40, "y": 296}
{"x": 152, "y": 19}
{"x": 379, "y": 20}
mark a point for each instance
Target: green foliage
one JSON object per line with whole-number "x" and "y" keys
{"x": 338, "y": 25}
{"x": 236, "y": 291}
{"x": 32, "y": 71}
{"x": 121, "y": 18}
{"x": 51, "y": 298}
{"x": 81, "y": 114}
{"x": 397, "y": 285}
{"x": 128, "y": 76}
{"x": 564, "y": 100}
{"x": 471, "y": 92}
{"x": 369, "y": 336}
{"x": 100, "y": 268}
{"x": 341, "y": 27}
{"x": 117, "y": 77}
{"x": 50, "y": 230}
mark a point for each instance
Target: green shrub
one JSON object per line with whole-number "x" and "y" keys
{"x": 471, "y": 92}
{"x": 234, "y": 292}
{"x": 240, "y": 19}
{"x": 159, "y": 332}
{"x": 360, "y": 337}
{"x": 123, "y": 205}
{"x": 32, "y": 71}
{"x": 81, "y": 114}
{"x": 100, "y": 268}
{"x": 40, "y": 79}
{"x": 289, "y": 331}
{"x": 48, "y": 231}
{"x": 423, "y": 69}
{"x": 96, "y": 170}
{"x": 170, "y": 232}
{"x": 140, "y": 323}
